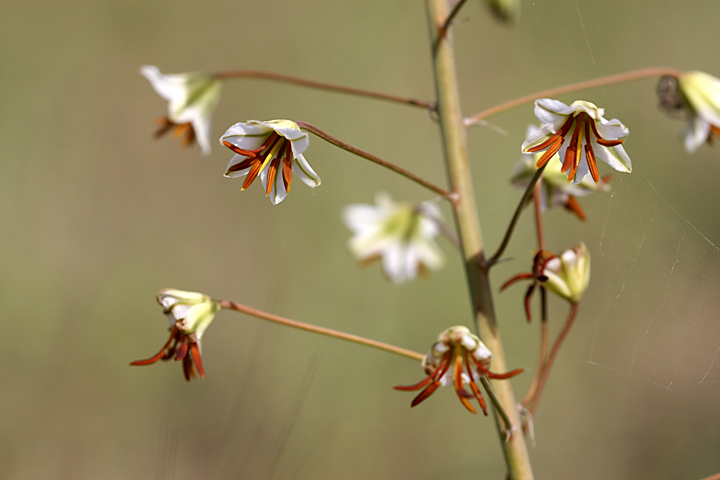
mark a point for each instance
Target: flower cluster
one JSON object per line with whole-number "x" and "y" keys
{"x": 581, "y": 135}
{"x": 189, "y": 314}
{"x": 456, "y": 347}
{"x": 402, "y": 234}
{"x": 273, "y": 150}
{"x": 191, "y": 97}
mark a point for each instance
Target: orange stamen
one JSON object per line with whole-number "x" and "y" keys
{"x": 197, "y": 358}
{"x": 180, "y": 130}
{"x": 559, "y": 134}
{"x": 461, "y": 393}
{"x": 602, "y": 141}
{"x": 287, "y": 167}
{"x": 425, "y": 394}
{"x": 442, "y": 367}
{"x": 521, "y": 276}
{"x": 473, "y": 385}
{"x": 252, "y": 174}
{"x": 161, "y": 353}
{"x": 570, "y": 160}
{"x": 272, "y": 173}
{"x": 590, "y": 155}
{"x": 574, "y": 206}
{"x": 554, "y": 148}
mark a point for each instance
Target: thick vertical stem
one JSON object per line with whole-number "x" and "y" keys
{"x": 455, "y": 148}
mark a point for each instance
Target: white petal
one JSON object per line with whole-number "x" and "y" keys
{"x": 696, "y": 133}
{"x": 552, "y": 113}
{"x": 613, "y": 156}
{"x": 278, "y": 192}
{"x": 234, "y": 161}
{"x": 246, "y": 135}
{"x": 393, "y": 262}
{"x": 305, "y": 172}
{"x": 202, "y": 133}
{"x": 537, "y": 138}
{"x": 611, "y": 129}
{"x": 169, "y": 87}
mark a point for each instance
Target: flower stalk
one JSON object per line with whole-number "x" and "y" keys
{"x": 516, "y": 216}
{"x": 375, "y": 159}
{"x": 455, "y": 148}
{"x": 551, "y": 358}
{"x": 278, "y": 77}
{"x": 228, "y": 305}
{"x": 574, "y": 87}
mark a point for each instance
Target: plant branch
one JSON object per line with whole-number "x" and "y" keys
{"x": 278, "y": 77}
{"x": 508, "y": 426}
{"x": 453, "y": 13}
{"x": 228, "y": 305}
{"x": 573, "y": 87}
{"x": 553, "y": 354}
{"x": 513, "y": 222}
{"x": 369, "y": 156}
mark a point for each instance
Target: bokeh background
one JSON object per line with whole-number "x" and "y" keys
{"x": 97, "y": 217}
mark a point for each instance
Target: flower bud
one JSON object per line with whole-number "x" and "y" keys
{"x": 569, "y": 274}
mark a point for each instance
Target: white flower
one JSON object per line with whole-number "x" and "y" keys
{"x": 402, "y": 234}
{"x": 569, "y": 274}
{"x": 554, "y": 187}
{"x": 581, "y": 135}
{"x": 273, "y": 150}
{"x": 191, "y": 97}
{"x": 190, "y": 314}
{"x": 700, "y": 95}
{"x": 457, "y": 358}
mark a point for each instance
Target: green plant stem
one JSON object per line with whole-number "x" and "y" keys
{"x": 369, "y": 156}
{"x": 553, "y": 354}
{"x": 551, "y": 92}
{"x": 278, "y": 77}
{"x": 228, "y": 305}
{"x": 516, "y": 216}
{"x": 455, "y": 149}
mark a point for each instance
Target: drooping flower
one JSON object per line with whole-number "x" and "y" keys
{"x": 554, "y": 188}
{"x": 581, "y": 135}
{"x": 273, "y": 150}
{"x": 469, "y": 358}
{"x": 697, "y": 94}
{"x": 402, "y": 234}
{"x": 189, "y": 314}
{"x": 191, "y": 97}
{"x": 567, "y": 275}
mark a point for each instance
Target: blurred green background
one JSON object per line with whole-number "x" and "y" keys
{"x": 97, "y": 217}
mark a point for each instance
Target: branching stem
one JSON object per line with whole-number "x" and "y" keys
{"x": 518, "y": 211}
{"x": 228, "y": 305}
{"x": 323, "y": 86}
{"x": 574, "y": 87}
{"x": 369, "y": 156}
